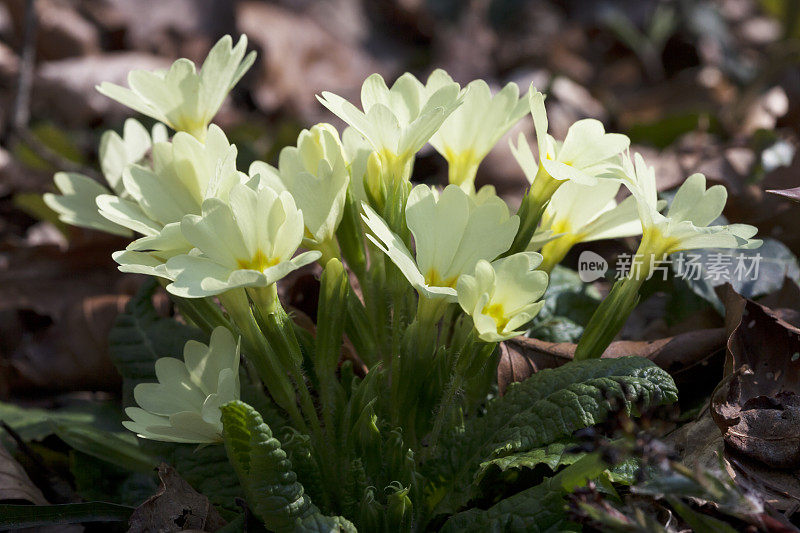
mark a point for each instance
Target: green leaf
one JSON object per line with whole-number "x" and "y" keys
{"x": 140, "y": 336}
{"x": 714, "y": 267}
{"x": 120, "y": 449}
{"x": 554, "y": 403}
{"x": 538, "y": 509}
{"x": 207, "y": 470}
{"x": 19, "y": 516}
{"x": 36, "y": 424}
{"x": 98, "y": 480}
{"x": 553, "y": 456}
{"x": 265, "y": 473}
{"x": 569, "y": 304}
{"x": 547, "y": 407}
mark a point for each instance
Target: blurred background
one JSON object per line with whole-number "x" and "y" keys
{"x": 698, "y": 85}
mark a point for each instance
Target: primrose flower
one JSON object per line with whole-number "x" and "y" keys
{"x": 502, "y": 296}
{"x": 684, "y": 227}
{"x": 247, "y": 241}
{"x": 686, "y": 224}
{"x": 76, "y": 204}
{"x": 397, "y": 122}
{"x": 586, "y": 152}
{"x": 315, "y": 173}
{"x": 184, "y": 405}
{"x": 356, "y": 151}
{"x": 185, "y": 172}
{"x": 181, "y": 97}
{"x": 584, "y": 213}
{"x": 472, "y": 130}
{"x": 451, "y": 233}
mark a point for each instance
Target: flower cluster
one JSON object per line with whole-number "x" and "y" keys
{"x": 453, "y": 264}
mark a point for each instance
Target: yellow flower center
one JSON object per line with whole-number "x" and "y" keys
{"x": 560, "y": 226}
{"x": 192, "y": 125}
{"x": 259, "y": 262}
{"x": 435, "y": 279}
{"x": 498, "y": 314}
{"x": 462, "y": 166}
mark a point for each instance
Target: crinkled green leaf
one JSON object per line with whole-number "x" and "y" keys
{"x": 207, "y": 470}
{"x": 547, "y": 407}
{"x": 272, "y": 489}
{"x": 538, "y": 509}
{"x": 553, "y": 456}
{"x": 140, "y": 336}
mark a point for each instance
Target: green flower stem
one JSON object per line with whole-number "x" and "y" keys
{"x": 331, "y": 317}
{"x": 358, "y": 329}
{"x": 466, "y": 361}
{"x": 202, "y": 312}
{"x": 609, "y": 318}
{"x": 532, "y": 208}
{"x": 429, "y": 313}
{"x": 377, "y": 307}
{"x": 350, "y": 236}
{"x": 329, "y": 250}
{"x": 263, "y": 358}
{"x": 278, "y": 328}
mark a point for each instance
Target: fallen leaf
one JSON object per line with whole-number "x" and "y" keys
{"x": 521, "y": 357}
{"x": 62, "y": 31}
{"x": 792, "y": 194}
{"x": 71, "y": 354}
{"x": 178, "y": 28}
{"x": 15, "y": 485}
{"x": 698, "y": 443}
{"x": 757, "y": 406}
{"x": 175, "y": 507}
{"x": 778, "y": 488}
{"x": 298, "y": 59}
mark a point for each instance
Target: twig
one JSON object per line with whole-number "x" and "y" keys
{"x": 57, "y": 489}
{"x": 20, "y": 113}
{"x": 17, "y": 127}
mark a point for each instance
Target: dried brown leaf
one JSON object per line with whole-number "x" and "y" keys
{"x": 757, "y": 406}
{"x": 791, "y": 194}
{"x": 522, "y": 356}
{"x": 298, "y": 59}
{"x": 175, "y": 507}
{"x": 15, "y": 485}
{"x": 71, "y": 354}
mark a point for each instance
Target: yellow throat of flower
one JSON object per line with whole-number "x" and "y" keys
{"x": 259, "y": 262}
{"x": 191, "y": 125}
{"x": 434, "y": 279}
{"x": 498, "y": 314}
{"x": 462, "y": 166}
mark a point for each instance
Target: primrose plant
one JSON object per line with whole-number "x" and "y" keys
{"x": 379, "y": 414}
